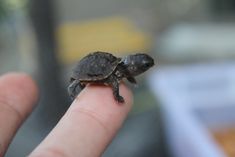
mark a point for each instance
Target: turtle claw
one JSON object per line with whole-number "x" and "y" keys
{"x": 120, "y": 99}
{"x": 73, "y": 89}
{"x": 72, "y": 94}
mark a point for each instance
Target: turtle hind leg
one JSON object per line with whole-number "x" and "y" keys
{"x": 113, "y": 81}
{"x": 73, "y": 89}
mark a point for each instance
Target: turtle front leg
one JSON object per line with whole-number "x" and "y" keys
{"x": 113, "y": 81}
{"x": 132, "y": 80}
{"x": 72, "y": 89}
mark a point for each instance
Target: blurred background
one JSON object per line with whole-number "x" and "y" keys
{"x": 183, "y": 107}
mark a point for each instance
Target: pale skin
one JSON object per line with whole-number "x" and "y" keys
{"x": 85, "y": 130}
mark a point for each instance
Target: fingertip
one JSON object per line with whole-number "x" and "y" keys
{"x": 100, "y": 99}
{"x": 100, "y": 93}
{"x": 20, "y": 90}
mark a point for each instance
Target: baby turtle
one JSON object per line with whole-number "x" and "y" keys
{"x": 104, "y": 68}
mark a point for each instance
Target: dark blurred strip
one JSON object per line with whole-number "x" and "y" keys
{"x": 53, "y": 102}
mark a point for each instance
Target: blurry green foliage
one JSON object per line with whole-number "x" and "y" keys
{"x": 2, "y": 9}
{"x": 6, "y": 6}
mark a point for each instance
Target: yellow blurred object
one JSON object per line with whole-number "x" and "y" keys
{"x": 115, "y": 34}
{"x": 226, "y": 139}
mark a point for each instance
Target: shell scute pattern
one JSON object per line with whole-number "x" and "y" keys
{"x": 96, "y": 66}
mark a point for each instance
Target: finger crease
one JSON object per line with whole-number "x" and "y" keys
{"x": 9, "y": 106}
{"x": 95, "y": 116}
{"x": 51, "y": 151}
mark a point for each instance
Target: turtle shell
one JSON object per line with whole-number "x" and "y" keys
{"x": 95, "y": 66}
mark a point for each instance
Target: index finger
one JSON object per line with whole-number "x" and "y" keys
{"x": 89, "y": 125}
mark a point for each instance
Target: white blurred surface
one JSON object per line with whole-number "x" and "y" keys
{"x": 198, "y": 40}
{"x": 184, "y": 92}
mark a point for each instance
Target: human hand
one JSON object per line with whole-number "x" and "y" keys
{"x": 85, "y": 130}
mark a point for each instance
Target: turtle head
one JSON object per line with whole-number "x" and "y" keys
{"x": 137, "y": 63}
